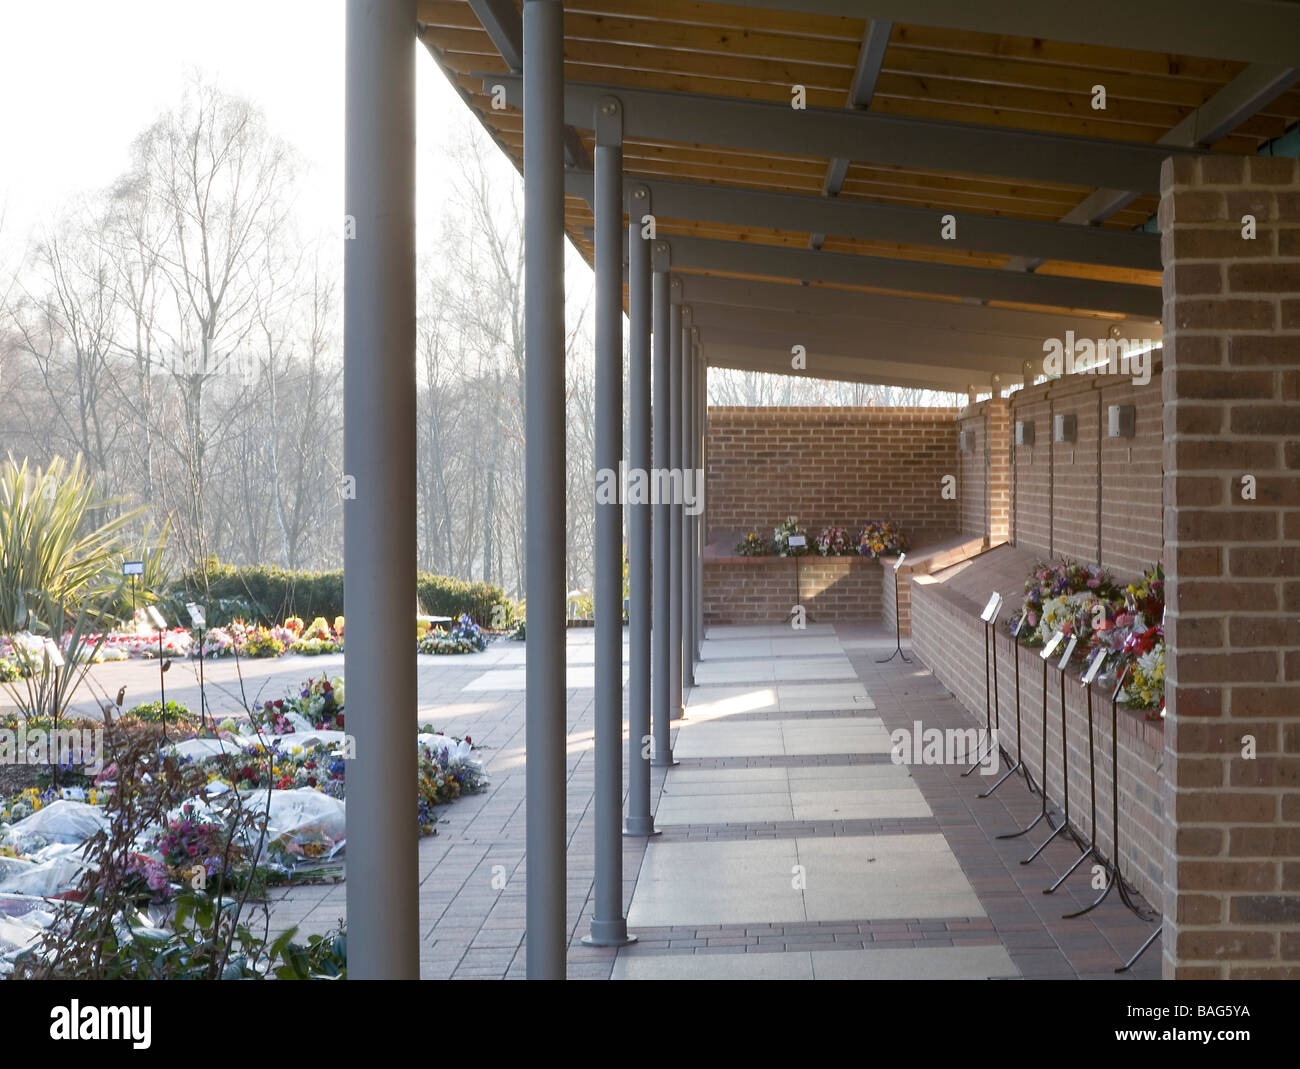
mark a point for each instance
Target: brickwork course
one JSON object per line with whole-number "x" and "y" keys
{"x": 1232, "y": 414}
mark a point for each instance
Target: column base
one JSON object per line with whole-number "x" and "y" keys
{"x": 608, "y": 934}
{"x": 642, "y": 828}
{"x": 667, "y": 761}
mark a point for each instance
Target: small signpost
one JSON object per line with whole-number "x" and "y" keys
{"x": 797, "y": 541}
{"x": 898, "y": 622}
{"x": 160, "y": 623}
{"x": 133, "y": 568}
{"x": 199, "y": 621}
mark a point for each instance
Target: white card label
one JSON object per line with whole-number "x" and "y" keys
{"x": 1094, "y": 666}
{"x": 797, "y": 540}
{"x": 990, "y": 612}
{"x": 1069, "y": 651}
{"x": 133, "y": 567}
{"x": 899, "y": 563}
{"x": 1052, "y": 643}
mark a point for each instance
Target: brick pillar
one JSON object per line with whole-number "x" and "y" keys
{"x": 998, "y": 423}
{"x": 1232, "y": 410}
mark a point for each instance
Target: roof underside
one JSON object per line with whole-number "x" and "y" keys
{"x": 826, "y": 226}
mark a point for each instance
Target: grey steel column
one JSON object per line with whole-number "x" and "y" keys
{"x": 701, "y": 428}
{"x": 544, "y": 483}
{"x": 675, "y": 510}
{"x": 639, "y": 818}
{"x": 379, "y": 490}
{"x": 661, "y": 632}
{"x": 688, "y": 521}
{"x": 608, "y": 925}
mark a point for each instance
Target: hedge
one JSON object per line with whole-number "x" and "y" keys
{"x": 268, "y": 595}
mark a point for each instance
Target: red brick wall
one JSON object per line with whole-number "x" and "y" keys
{"x": 755, "y": 589}
{"x": 948, "y": 637}
{"x": 972, "y": 477}
{"x": 1232, "y": 408}
{"x": 1058, "y": 489}
{"x": 985, "y": 471}
{"x": 830, "y": 467}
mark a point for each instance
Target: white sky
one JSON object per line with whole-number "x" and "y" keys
{"x": 79, "y": 79}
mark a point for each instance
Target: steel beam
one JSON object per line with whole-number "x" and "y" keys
{"x": 544, "y": 487}
{"x": 871, "y": 57}
{"x": 639, "y": 549}
{"x": 776, "y": 261}
{"x": 502, "y": 22}
{"x": 874, "y": 221}
{"x": 608, "y": 925}
{"x": 920, "y": 357}
{"x": 1252, "y": 89}
{"x": 729, "y": 349}
{"x": 916, "y": 342}
{"x": 882, "y": 309}
{"x": 933, "y": 144}
{"x": 379, "y": 449}
{"x": 1249, "y": 31}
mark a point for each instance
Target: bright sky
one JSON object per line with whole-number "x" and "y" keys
{"x": 81, "y": 78}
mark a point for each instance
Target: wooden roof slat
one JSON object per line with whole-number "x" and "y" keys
{"x": 1093, "y": 57}
{"x": 709, "y": 39}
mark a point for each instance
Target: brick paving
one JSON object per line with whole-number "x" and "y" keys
{"x": 472, "y": 890}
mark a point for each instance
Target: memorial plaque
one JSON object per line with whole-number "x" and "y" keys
{"x": 1069, "y": 652}
{"x": 1094, "y": 666}
{"x": 991, "y": 610}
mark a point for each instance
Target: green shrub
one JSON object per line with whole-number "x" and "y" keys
{"x": 269, "y": 595}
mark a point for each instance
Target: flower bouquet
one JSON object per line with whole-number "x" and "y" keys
{"x": 781, "y": 539}
{"x": 465, "y": 636}
{"x": 881, "y": 539}
{"x": 1066, "y": 593}
{"x": 752, "y": 545}
{"x": 833, "y": 542}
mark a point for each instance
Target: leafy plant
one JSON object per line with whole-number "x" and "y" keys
{"x": 53, "y": 549}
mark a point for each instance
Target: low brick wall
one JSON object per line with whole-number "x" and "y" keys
{"x": 919, "y": 562}
{"x": 763, "y": 589}
{"x": 948, "y": 637}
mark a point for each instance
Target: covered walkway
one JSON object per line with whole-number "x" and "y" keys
{"x": 929, "y": 195}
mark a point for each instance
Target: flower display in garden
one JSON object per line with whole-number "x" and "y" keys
{"x": 319, "y": 703}
{"x": 297, "y": 780}
{"x": 878, "y": 539}
{"x": 781, "y": 539}
{"x": 753, "y": 545}
{"x": 190, "y": 839}
{"x": 833, "y": 542}
{"x": 464, "y": 636}
{"x": 315, "y": 639}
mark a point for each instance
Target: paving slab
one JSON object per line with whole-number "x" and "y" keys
{"x": 922, "y": 963}
{"x": 765, "y": 738}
